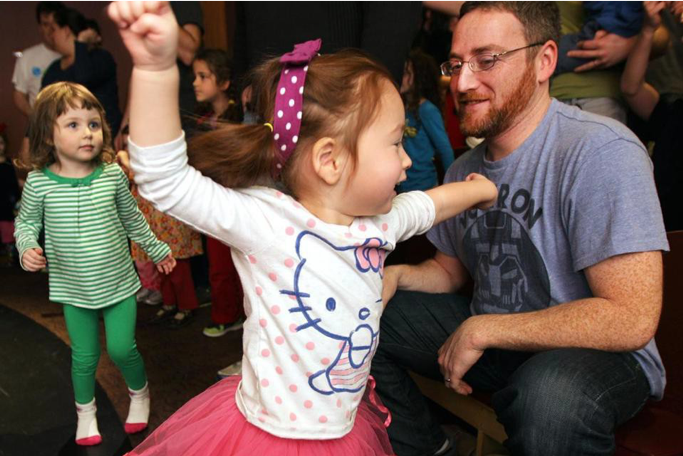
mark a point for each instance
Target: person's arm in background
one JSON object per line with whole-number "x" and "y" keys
{"x": 190, "y": 29}
{"x": 641, "y": 96}
{"x": 189, "y": 41}
{"x": 449, "y": 8}
{"x": 608, "y": 49}
{"x": 21, "y": 102}
{"x": 388, "y": 32}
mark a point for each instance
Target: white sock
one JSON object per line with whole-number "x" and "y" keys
{"x": 446, "y": 446}
{"x": 138, "y": 414}
{"x": 87, "y": 430}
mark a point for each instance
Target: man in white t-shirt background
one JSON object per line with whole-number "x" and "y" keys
{"x": 30, "y": 67}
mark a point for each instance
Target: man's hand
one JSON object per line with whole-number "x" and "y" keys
{"x": 33, "y": 260}
{"x": 149, "y": 31}
{"x": 458, "y": 354}
{"x": 653, "y": 17}
{"x": 605, "y": 50}
{"x": 166, "y": 265}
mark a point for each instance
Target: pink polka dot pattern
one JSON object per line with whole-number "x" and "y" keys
{"x": 325, "y": 361}
{"x": 289, "y": 231}
{"x": 308, "y": 404}
{"x": 252, "y": 259}
{"x": 261, "y": 419}
{"x": 309, "y": 373}
{"x": 322, "y": 419}
{"x": 293, "y": 388}
{"x": 295, "y": 358}
{"x": 259, "y": 291}
{"x": 310, "y": 223}
{"x": 272, "y": 276}
{"x": 348, "y": 235}
{"x": 263, "y": 322}
{"x": 339, "y": 403}
{"x": 265, "y": 383}
{"x": 292, "y": 328}
{"x": 279, "y": 340}
{"x": 310, "y": 346}
{"x": 279, "y": 370}
{"x": 385, "y": 227}
{"x": 265, "y": 353}
{"x": 275, "y": 310}
{"x": 362, "y": 227}
{"x": 292, "y": 416}
{"x": 292, "y": 297}
{"x": 278, "y": 400}
{"x": 278, "y": 194}
{"x": 289, "y": 262}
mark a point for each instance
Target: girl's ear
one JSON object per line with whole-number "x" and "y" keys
{"x": 224, "y": 86}
{"x": 328, "y": 160}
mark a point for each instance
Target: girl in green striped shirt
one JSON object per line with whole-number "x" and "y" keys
{"x": 81, "y": 198}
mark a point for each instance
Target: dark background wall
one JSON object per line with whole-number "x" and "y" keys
{"x": 19, "y": 31}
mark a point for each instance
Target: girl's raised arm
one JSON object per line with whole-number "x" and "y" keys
{"x": 150, "y": 32}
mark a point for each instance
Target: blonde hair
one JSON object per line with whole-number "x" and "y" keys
{"x": 53, "y": 101}
{"x": 342, "y": 95}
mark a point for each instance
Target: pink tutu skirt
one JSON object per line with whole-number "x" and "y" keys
{"x": 211, "y": 424}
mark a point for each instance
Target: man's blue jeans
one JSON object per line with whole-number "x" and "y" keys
{"x": 557, "y": 402}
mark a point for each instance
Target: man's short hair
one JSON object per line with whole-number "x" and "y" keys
{"x": 540, "y": 20}
{"x": 47, "y": 8}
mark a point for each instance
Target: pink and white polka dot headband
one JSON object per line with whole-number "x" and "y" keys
{"x": 289, "y": 100}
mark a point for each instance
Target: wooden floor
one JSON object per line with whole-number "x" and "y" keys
{"x": 180, "y": 363}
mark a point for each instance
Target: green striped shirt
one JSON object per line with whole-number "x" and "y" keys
{"x": 87, "y": 222}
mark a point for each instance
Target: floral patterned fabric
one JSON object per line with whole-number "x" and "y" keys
{"x": 184, "y": 241}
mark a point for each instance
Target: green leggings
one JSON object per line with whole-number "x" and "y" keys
{"x": 83, "y": 327}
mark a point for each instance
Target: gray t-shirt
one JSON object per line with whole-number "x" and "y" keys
{"x": 579, "y": 190}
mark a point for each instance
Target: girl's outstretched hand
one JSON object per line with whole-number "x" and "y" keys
{"x": 150, "y": 32}
{"x": 33, "y": 260}
{"x": 166, "y": 265}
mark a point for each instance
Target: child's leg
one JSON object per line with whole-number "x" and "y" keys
{"x": 119, "y": 321}
{"x": 183, "y": 285}
{"x": 569, "y": 42}
{"x": 83, "y": 327}
{"x": 149, "y": 276}
{"x": 226, "y": 289}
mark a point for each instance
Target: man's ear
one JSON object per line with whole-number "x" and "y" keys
{"x": 328, "y": 160}
{"x": 547, "y": 61}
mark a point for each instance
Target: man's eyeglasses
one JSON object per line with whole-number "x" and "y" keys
{"x": 480, "y": 62}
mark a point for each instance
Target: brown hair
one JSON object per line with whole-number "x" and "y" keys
{"x": 540, "y": 20}
{"x": 341, "y": 98}
{"x": 53, "y": 101}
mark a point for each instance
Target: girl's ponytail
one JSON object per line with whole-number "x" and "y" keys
{"x": 235, "y": 156}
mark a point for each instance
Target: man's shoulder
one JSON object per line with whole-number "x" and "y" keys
{"x": 39, "y": 51}
{"x": 576, "y": 131}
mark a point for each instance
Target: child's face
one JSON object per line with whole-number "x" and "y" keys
{"x": 382, "y": 161}
{"x": 206, "y": 89}
{"x": 78, "y": 136}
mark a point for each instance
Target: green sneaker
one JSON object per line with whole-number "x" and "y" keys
{"x": 218, "y": 330}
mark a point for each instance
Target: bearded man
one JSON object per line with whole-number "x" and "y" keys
{"x": 566, "y": 267}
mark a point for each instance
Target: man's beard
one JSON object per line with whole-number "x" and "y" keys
{"x": 497, "y": 120}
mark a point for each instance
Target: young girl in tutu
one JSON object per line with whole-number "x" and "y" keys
{"x": 307, "y": 202}
{"x": 82, "y": 200}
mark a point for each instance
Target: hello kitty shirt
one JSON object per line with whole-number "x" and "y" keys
{"x": 312, "y": 289}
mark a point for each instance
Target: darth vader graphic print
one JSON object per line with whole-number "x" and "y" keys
{"x": 508, "y": 271}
